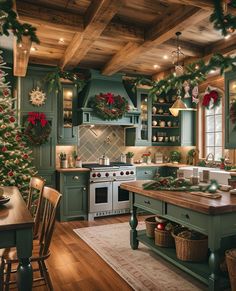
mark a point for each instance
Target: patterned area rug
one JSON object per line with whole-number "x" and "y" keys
{"x": 142, "y": 269}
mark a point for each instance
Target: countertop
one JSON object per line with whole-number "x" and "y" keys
{"x": 225, "y": 204}
{"x": 72, "y": 170}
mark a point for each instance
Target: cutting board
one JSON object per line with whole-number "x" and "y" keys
{"x": 207, "y": 195}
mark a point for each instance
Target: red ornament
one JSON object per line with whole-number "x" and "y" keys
{"x": 12, "y": 119}
{"x": 4, "y": 149}
{"x": 17, "y": 138}
{"x": 10, "y": 173}
{"x": 25, "y": 156}
{"x": 161, "y": 226}
{"x": 6, "y": 92}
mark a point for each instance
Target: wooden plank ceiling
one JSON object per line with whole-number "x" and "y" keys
{"x": 129, "y": 36}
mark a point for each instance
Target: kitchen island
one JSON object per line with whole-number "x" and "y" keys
{"x": 214, "y": 217}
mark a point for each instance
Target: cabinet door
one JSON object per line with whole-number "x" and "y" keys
{"x": 68, "y": 100}
{"x": 74, "y": 202}
{"x": 188, "y": 132}
{"x": 141, "y": 134}
{"x": 146, "y": 173}
{"x": 230, "y": 109}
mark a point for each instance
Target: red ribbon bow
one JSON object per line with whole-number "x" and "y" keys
{"x": 33, "y": 117}
{"x": 110, "y": 98}
{"x": 207, "y": 98}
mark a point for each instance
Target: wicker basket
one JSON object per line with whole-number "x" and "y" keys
{"x": 231, "y": 265}
{"x": 150, "y": 226}
{"x": 163, "y": 238}
{"x": 190, "y": 250}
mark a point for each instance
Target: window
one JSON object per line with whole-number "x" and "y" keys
{"x": 213, "y": 132}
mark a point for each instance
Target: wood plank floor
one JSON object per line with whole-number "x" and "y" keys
{"x": 74, "y": 266}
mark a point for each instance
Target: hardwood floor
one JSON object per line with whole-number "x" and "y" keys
{"x": 73, "y": 265}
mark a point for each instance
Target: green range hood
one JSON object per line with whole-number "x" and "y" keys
{"x": 105, "y": 84}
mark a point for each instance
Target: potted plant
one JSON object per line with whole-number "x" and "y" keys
{"x": 77, "y": 160}
{"x": 63, "y": 160}
{"x": 129, "y": 157}
{"x": 175, "y": 156}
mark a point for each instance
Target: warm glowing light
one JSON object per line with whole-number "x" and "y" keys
{"x": 165, "y": 57}
{"x": 156, "y": 66}
{"x": 33, "y": 49}
{"x": 227, "y": 36}
{"x": 61, "y": 40}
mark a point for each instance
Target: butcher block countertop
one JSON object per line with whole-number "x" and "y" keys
{"x": 225, "y": 204}
{"x": 173, "y": 165}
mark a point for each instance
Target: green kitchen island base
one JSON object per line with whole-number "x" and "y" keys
{"x": 213, "y": 217}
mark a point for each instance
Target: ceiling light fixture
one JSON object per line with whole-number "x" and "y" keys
{"x": 61, "y": 40}
{"x": 178, "y": 56}
{"x": 178, "y": 105}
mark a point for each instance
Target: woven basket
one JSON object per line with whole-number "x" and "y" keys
{"x": 190, "y": 250}
{"x": 163, "y": 238}
{"x": 150, "y": 226}
{"x": 231, "y": 265}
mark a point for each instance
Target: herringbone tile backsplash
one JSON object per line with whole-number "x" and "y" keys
{"x": 99, "y": 140}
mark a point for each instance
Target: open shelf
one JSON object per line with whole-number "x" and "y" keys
{"x": 163, "y": 143}
{"x": 164, "y": 127}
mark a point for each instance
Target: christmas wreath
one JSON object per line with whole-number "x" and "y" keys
{"x": 211, "y": 99}
{"x": 109, "y": 107}
{"x": 37, "y": 128}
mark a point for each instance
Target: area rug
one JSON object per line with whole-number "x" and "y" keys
{"x": 142, "y": 269}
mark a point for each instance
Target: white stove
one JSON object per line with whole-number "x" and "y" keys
{"x": 105, "y": 195}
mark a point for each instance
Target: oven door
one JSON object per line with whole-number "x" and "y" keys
{"x": 120, "y": 196}
{"x": 100, "y": 196}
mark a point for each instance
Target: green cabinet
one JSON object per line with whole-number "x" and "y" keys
{"x": 67, "y": 133}
{"x": 146, "y": 173}
{"x": 230, "y": 110}
{"x": 74, "y": 189}
{"x": 44, "y": 155}
{"x": 140, "y": 135}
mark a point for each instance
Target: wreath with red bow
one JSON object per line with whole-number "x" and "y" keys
{"x": 37, "y": 128}
{"x": 211, "y": 99}
{"x": 109, "y": 107}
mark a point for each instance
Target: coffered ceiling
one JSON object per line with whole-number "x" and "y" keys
{"x": 130, "y": 36}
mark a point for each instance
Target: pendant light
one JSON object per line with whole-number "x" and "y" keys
{"x": 178, "y": 105}
{"x": 178, "y": 56}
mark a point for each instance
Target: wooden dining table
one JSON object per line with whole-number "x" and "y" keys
{"x": 16, "y": 230}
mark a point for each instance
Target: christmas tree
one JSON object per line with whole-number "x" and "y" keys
{"x": 15, "y": 156}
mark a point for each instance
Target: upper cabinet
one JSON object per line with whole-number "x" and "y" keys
{"x": 230, "y": 110}
{"x": 67, "y": 115}
{"x": 157, "y": 127}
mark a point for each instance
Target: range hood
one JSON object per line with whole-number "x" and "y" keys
{"x": 103, "y": 84}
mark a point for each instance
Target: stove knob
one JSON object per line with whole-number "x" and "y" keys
{"x": 132, "y": 172}
{"x": 114, "y": 174}
{"x": 122, "y": 173}
{"x": 127, "y": 173}
{"x": 107, "y": 174}
{"x": 94, "y": 175}
{"x": 99, "y": 175}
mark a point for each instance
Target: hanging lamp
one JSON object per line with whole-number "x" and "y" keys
{"x": 178, "y": 56}
{"x": 178, "y": 105}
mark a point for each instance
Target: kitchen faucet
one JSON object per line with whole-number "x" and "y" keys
{"x": 211, "y": 161}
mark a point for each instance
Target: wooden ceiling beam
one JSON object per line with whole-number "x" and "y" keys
{"x": 21, "y": 52}
{"x": 98, "y": 16}
{"x": 156, "y": 35}
{"x": 51, "y": 18}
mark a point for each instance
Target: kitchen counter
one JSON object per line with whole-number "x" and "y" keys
{"x": 161, "y": 165}
{"x": 72, "y": 170}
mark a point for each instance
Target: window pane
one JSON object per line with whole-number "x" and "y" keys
{"x": 218, "y": 123}
{"x": 218, "y": 139}
{"x": 218, "y": 153}
{"x": 218, "y": 109}
{"x": 210, "y": 139}
{"x": 209, "y": 111}
{"x": 209, "y": 150}
{"x": 210, "y": 123}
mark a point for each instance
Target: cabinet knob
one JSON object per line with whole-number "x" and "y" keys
{"x": 145, "y": 172}
{"x": 147, "y": 202}
{"x": 76, "y": 177}
{"x": 84, "y": 188}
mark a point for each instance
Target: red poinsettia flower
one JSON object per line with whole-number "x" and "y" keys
{"x": 43, "y": 122}
{"x": 25, "y": 156}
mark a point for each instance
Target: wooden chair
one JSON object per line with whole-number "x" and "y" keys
{"x": 51, "y": 200}
{"x": 34, "y": 203}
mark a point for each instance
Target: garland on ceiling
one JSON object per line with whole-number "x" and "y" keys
{"x": 223, "y": 21}
{"x": 53, "y": 80}
{"x": 8, "y": 21}
{"x": 194, "y": 74}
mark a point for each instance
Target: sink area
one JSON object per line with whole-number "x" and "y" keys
{"x": 215, "y": 173}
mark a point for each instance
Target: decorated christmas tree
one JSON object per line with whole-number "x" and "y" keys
{"x": 15, "y": 157}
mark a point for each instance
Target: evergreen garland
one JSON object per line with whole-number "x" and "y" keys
{"x": 225, "y": 23}
{"x": 53, "y": 83}
{"x": 8, "y": 18}
{"x": 195, "y": 73}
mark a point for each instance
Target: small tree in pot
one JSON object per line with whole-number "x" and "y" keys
{"x": 129, "y": 157}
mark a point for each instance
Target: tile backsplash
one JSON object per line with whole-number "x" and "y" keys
{"x": 98, "y": 140}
